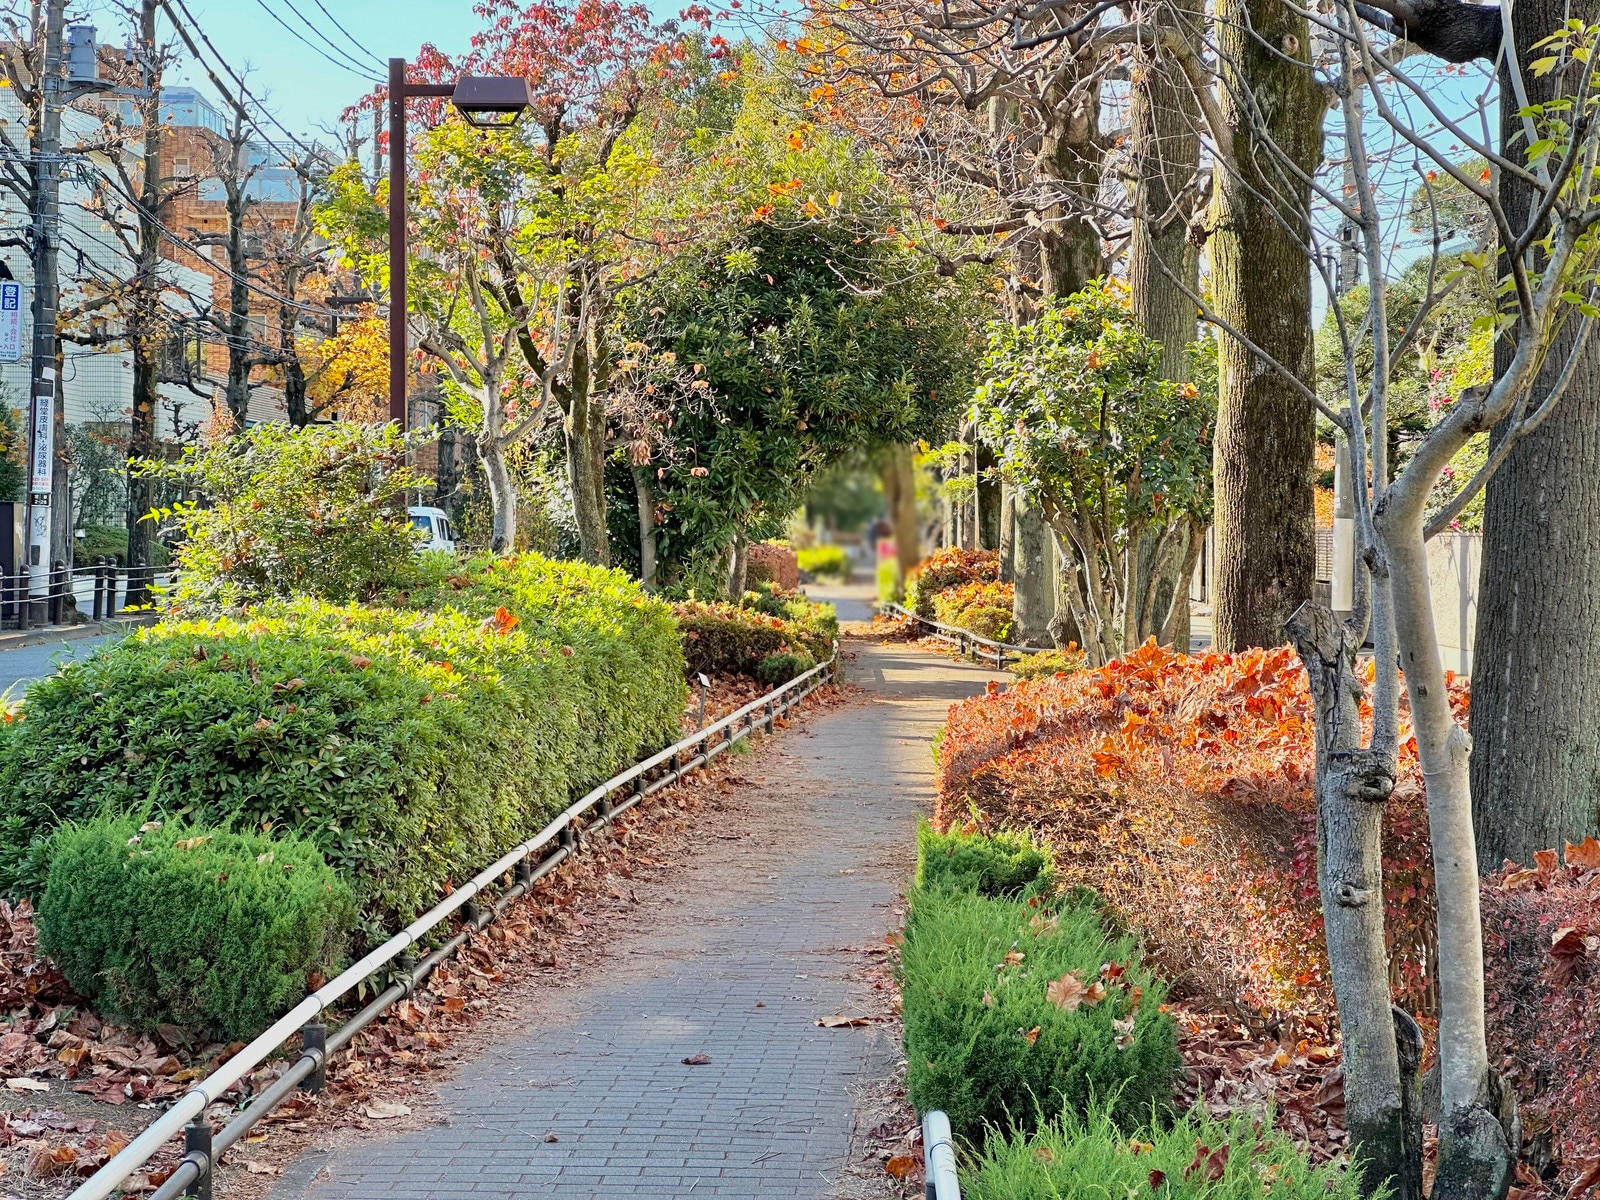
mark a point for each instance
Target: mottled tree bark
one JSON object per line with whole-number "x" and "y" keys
{"x": 1034, "y": 604}
{"x": 585, "y": 429}
{"x": 645, "y": 498}
{"x": 900, "y": 489}
{"x": 1261, "y": 283}
{"x": 1536, "y": 654}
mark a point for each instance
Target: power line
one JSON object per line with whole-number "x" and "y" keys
{"x": 353, "y": 40}
{"x": 359, "y": 72}
{"x": 244, "y": 91}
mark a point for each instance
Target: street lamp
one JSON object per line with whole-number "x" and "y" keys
{"x": 485, "y": 102}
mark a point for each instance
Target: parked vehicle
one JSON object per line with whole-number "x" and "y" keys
{"x": 438, "y": 534}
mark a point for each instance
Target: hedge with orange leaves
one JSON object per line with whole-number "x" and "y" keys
{"x": 1180, "y": 789}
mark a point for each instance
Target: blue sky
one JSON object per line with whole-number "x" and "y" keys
{"x": 303, "y": 88}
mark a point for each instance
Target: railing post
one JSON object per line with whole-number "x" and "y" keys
{"x": 197, "y": 1140}
{"x": 96, "y": 578}
{"x": 58, "y": 590}
{"x": 567, "y": 838}
{"x": 470, "y": 912}
{"x": 24, "y": 598}
{"x": 314, "y": 1039}
{"x": 603, "y": 806}
{"x": 524, "y": 870}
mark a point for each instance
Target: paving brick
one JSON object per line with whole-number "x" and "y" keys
{"x": 770, "y": 1116}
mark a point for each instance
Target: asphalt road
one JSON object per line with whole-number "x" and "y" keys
{"x": 20, "y": 666}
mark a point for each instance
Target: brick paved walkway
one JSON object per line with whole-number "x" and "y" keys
{"x": 738, "y": 964}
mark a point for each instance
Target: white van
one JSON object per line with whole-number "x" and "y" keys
{"x": 435, "y": 527}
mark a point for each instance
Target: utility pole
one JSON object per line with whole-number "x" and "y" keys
{"x": 46, "y": 229}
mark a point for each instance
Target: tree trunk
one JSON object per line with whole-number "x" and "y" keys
{"x": 739, "y": 567}
{"x": 585, "y": 430}
{"x": 144, "y": 332}
{"x": 1479, "y": 1135}
{"x": 1536, "y": 653}
{"x": 1352, "y": 784}
{"x": 989, "y": 497}
{"x": 647, "y": 528}
{"x": 502, "y": 494}
{"x": 1008, "y": 534}
{"x": 900, "y": 488}
{"x": 1261, "y": 283}
{"x": 1034, "y": 604}
{"x": 447, "y": 478}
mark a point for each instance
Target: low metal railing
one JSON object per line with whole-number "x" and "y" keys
{"x": 968, "y": 642}
{"x": 527, "y": 863}
{"x": 99, "y": 588}
{"x": 939, "y": 1158}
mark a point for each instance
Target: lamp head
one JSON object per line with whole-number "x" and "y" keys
{"x": 492, "y": 101}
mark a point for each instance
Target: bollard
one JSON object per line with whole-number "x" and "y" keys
{"x": 96, "y": 581}
{"x": 197, "y": 1140}
{"x": 314, "y": 1037}
{"x": 24, "y": 598}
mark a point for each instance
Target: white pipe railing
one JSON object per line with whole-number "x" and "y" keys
{"x": 998, "y": 651}
{"x": 736, "y": 725}
{"x": 939, "y": 1158}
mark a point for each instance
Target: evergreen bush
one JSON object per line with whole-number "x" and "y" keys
{"x": 778, "y": 669}
{"x": 1003, "y": 865}
{"x": 411, "y": 746}
{"x": 1195, "y": 1158}
{"x": 213, "y": 931}
{"x": 825, "y": 562}
{"x": 1017, "y": 1007}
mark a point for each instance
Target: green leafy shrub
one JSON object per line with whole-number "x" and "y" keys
{"x": 213, "y": 931}
{"x": 1003, "y": 864}
{"x": 1196, "y": 1158}
{"x": 1017, "y": 1007}
{"x": 111, "y": 541}
{"x": 1048, "y": 663}
{"x": 825, "y": 562}
{"x": 948, "y": 568}
{"x": 985, "y": 621}
{"x": 727, "y": 639}
{"x": 778, "y": 669}
{"x": 313, "y": 511}
{"x": 410, "y": 746}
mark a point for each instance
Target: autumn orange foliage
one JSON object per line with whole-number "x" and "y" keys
{"x": 1180, "y": 789}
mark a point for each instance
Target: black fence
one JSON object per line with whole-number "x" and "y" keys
{"x": 98, "y": 590}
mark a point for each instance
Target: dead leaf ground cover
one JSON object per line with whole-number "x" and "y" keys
{"x": 77, "y": 1088}
{"x": 1179, "y": 787}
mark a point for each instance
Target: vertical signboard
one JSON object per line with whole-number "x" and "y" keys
{"x": 10, "y": 321}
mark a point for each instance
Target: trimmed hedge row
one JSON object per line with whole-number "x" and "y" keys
{"x": 215, "y": 932}
{"x": 409, "y": 744}
{"x": 736, "y": 639}
{"x": 1017, "y": 1002}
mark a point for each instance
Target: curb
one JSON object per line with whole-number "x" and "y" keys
{"x": 53, "y": 634}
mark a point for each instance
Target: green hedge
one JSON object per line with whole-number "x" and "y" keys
{"x": 729, "y": 639}
{"x": 831, "y": 562}
{"x": 1002, "y": 865}
{"x": 212, "y": 931}
{"x": 410, "y": 745}
{"x": 1004, "y": 1013}
{"x": 1047, "y": 663}
{"x": 778, "y": 669}
{"x": 1196, "y": 1158}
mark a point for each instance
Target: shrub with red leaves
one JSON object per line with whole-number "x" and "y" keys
{"x": 1180, "y": 788}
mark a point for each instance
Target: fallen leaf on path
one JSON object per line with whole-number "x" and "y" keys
{"x": 386, "y": 1110}
{"x": 697, "y": 1060}
{"x": 24, "y": 1084}
{"x": 901, "y": 1166}
{"x": 551, "y": 1137}
{"x": 260, "y": 1168}
{"x": 840, "y": 1021}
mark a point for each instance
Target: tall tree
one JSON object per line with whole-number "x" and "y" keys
{"x": 1536, "y": 652}
{"x": 1261, "y": 284}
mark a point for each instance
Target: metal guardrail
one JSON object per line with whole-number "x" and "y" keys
{"x": 93, "y": 586}
{"x": 939, "y": 1158}
{"x": 965, "y": 639}
{"x": 193, "y": 1175}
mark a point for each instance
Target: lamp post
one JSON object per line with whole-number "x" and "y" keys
{"x": 485, "y": 102}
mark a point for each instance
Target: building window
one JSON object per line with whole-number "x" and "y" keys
{"x": 181, "y": 168}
